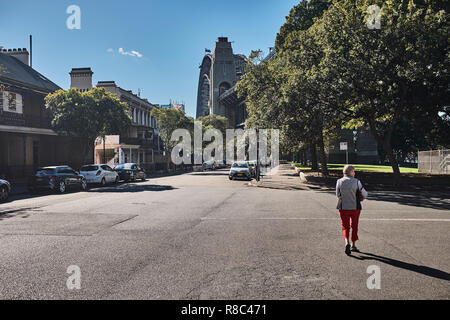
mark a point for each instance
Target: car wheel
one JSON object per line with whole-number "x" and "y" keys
{"x": 231, "y": 178}
{"x": 4, "y": 193}
{"x": 83, "y": 185}
{"x": 62, "y": 187}
{"x": 103, "y": 182}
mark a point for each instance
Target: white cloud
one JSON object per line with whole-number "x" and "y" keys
{"x": 132, "y": 53}
{"x": 110, "y": 50}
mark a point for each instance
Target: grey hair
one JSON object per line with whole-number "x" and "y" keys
{"x": 348, "y": 169}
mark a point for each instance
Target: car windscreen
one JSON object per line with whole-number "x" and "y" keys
{"x": 240, "y": 165}
{"x": 89, "y": 168}
{"x": 122, "y": 166}
{"x": 45, "y": 171}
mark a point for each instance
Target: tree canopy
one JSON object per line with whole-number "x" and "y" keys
{"x": 332, "y": 71}
{"x": 87, "y": 114}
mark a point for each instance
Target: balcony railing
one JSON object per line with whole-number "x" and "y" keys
{"x": 11, "y": 119}
{"x": 138, "y": 141}
{"x": 21, "y": 120}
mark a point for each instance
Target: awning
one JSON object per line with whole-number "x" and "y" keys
{"x": 29, "y": 130}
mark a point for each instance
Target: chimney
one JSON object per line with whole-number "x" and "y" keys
{"x": 20, "y": 54}
{"x": 81, "y": 79}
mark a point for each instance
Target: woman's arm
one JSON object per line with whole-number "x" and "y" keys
{"x": 363, "y": 191}
{"x": 338, "y": 189}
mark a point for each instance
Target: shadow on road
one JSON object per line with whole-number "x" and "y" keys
{"x": 210, "y": 173}
{"x": 133, "y": 188}
{"x": 416, "y": 199}
{"x": 121, "y": 187}
{"x": 431, "y": 272}
{"x": 432, "y": 200}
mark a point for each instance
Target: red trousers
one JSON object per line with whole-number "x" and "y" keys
{"x": 349, "y": 219}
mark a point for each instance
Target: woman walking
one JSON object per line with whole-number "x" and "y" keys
{"x": 350, "y": 193}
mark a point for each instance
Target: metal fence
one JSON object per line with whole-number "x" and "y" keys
{"x": 434, "y": 161}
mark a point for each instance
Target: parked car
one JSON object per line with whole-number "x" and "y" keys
{"x": 209, "y": 165}
{"x": 130, "y": 171}
{"x": 240, "y": 170}
{"x": 5, "y": 190}
{"x": 57, "y": 178}
{"x": 220, "y": 164}
{"x": 99, "y": 173}
{"x": 252, "y": 167}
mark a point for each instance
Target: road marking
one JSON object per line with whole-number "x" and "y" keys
{"x": 362, "y": 219}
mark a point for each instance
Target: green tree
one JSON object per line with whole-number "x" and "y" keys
{"x": 383, "y": 76}
{"x": 213, "y": 121}
{"x": 168, "y": 121}
{"x": 301, "y": 17}
{"x": 87, "y": 115}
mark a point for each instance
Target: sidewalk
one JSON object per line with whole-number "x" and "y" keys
{"x": 284, "y": 177}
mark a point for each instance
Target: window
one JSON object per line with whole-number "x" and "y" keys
{"x": 89, "y": 168}
{"x": 11, "y": 102}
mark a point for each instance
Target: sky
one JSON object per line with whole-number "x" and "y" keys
{"x": 154, "y": 46}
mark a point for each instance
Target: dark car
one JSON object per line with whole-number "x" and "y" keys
{"x": 58, "y": 178}
{"x": 130, "y": 172}
{"x": 5, "y": 189}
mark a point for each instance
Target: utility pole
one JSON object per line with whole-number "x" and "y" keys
{"x": 258, "y": 169}
{"x": 104, "y": 151}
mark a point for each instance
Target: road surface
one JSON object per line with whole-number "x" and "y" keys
{"x": 201, "y": 236}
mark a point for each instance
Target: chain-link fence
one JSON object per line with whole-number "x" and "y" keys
{"x": 434, "y": 161}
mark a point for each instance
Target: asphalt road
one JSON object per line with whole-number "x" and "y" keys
{"x": 201, "y": 236}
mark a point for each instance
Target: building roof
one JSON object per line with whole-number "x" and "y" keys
{"x": 17, "y": 71}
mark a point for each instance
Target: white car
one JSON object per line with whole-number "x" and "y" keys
{"x": 99, "y": 173}
{"x": 240, "y": 170}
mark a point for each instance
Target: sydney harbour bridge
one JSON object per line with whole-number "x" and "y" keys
{"x": 219, "y": 73}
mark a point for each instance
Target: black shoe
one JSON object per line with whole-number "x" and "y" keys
{"x": 355, "y": 249}
{"x": 347, "y": 250}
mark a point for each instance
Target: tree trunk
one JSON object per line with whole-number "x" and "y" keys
{"x": 385, "y": 142}
{"x": 392, "y": 159}
{"x": 323, "y": 156}
{"x": 312, "y": 150}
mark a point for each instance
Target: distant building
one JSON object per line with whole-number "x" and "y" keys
{"x": 141, "y": 143}
{"x": 27, "y": 140}
{"x": 362, "y": 147}
{"x": 219, "y": 72}
{"x": 81, "y": 79}
{"x": 176, "y": 106}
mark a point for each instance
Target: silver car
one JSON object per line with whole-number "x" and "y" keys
{"x": 240, "y": 170}
{"x": 252, "y": 166}
{"x": 209, "y": 165}
{"x": 99, "y": 173}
